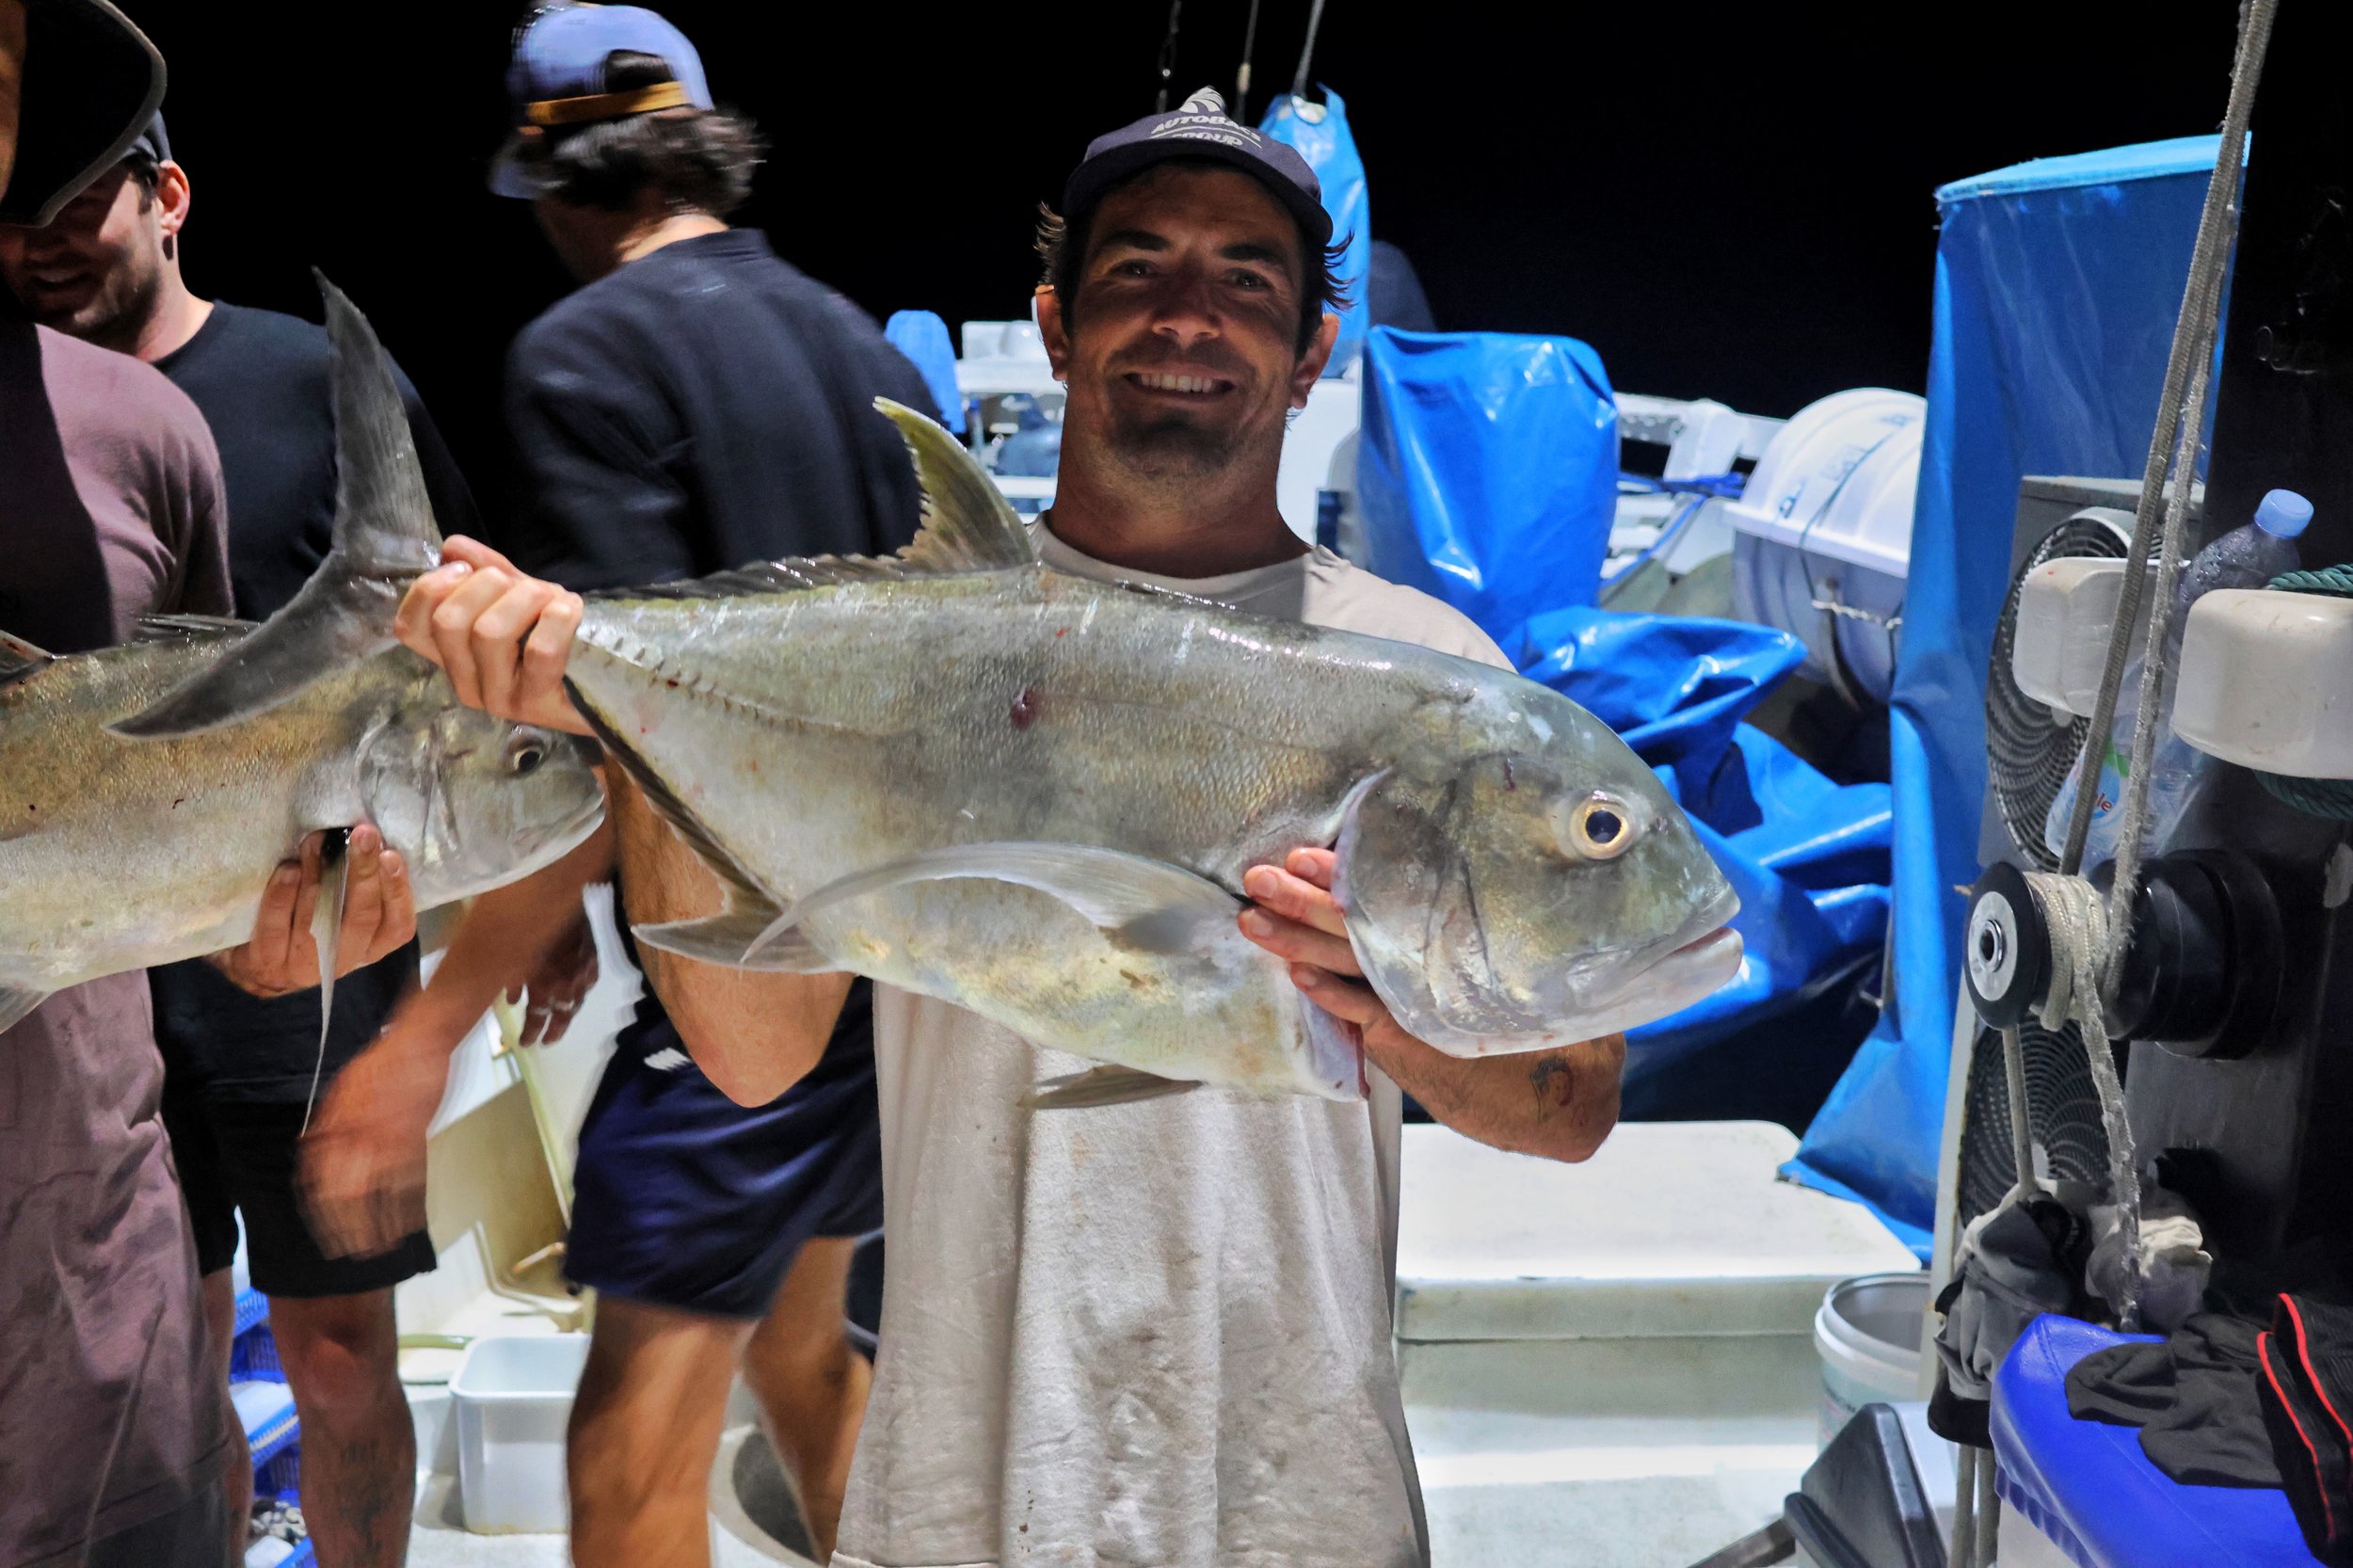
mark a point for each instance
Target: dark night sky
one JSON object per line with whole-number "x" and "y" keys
{"x": 1730, "y": 202}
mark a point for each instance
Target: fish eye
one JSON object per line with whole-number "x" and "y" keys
{"x": 524, "y": 754}
{"x": 1598, "y": 827}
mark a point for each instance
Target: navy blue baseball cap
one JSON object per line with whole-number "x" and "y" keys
{"x": 1201, "y": 129}
{"x": 555, "y": 77}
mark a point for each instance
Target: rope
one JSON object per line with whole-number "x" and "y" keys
{"x": 2079, "y": 928}
{"x": 2020, "y": 1128}
{"x": 1308, "y": 50}
{"x": 2192, "y": 353}
{"x": 2330, "y": 799}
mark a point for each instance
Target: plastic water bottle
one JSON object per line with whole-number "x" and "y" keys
{"x": 2249, "y": 556}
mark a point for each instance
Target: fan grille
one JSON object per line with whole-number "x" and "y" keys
{"x": 2061, "y": 1102}
{"x": 2027, "y": 753}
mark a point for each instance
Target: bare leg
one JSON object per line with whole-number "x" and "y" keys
{"x": 644, "y": 1434}
{"x": 811, "y": 1384}
{"x": 236, "y": 1483}
{"x": 359, "y": 1444}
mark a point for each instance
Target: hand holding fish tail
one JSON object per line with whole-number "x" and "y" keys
{"x": 379, "y": 914}
{"x": 1556, "y": 1104}
{"x": 502, "y": 636}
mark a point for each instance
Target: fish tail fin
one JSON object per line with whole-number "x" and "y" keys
{"x": 384, "y": 538}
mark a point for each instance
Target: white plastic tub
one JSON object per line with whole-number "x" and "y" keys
{"x": 512, "y": 1396}
{"x": 1867, "y": 1334}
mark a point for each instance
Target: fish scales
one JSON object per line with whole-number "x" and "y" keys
{"x": 123, "y": 853}
{"x": 80, "y": 863}
{"x": 996, "y": 722}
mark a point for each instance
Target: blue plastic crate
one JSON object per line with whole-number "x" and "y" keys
{"x": 253, "y": 1357}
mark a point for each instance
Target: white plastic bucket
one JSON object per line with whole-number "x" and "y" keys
{"x": 1867, "y": 1334}
{"x": 512, "y": 1396}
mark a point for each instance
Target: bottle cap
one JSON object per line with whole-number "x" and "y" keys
{"x": 2283, "y": 514}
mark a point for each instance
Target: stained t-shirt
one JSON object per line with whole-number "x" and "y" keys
{"x": 261, "y": 381}
{"x": 1153, "y": 1334}
{"x": 110, "y": 1409}
{"x": 705, "y": 406}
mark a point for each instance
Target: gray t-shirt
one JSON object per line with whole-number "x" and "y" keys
{"x": 1151, "y": 1334}
{"x": 110, "y": 1404}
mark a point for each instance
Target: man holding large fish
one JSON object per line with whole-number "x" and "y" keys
{"x": 1025, "y": 783}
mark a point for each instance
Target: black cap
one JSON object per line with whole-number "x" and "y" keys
{"x": 152, "y": 143}
{"x": 92, "y": 82}
{"x": 1200, "y": 130}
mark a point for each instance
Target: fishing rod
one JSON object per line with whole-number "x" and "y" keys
{"x": 1241, "y": 76}
{"x": 1168, "y": 55}
{"x": 1307, "y": 48}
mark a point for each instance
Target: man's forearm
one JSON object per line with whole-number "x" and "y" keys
{"x": 1557, "y": 1104}
{"x": 504, "y": 934}
{"x": 754, "y": 1035}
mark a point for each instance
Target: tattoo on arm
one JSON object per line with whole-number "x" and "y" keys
{"x": 1554, "y": 1083}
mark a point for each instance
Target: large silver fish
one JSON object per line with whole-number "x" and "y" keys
{"x": 961, "y": 772}
{"x": 117, "y": 853}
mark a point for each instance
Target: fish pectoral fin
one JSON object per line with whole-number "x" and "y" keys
{"x": 1104, "y": 1085}
{"x": 16, "y": 1002}
{"x": 1336, "y": 1050}
{"x": 1145, "y": 904}
{"x": 326, "y": 929}
{"x": 384, "y": 536}
{"x": 735, "y": 939}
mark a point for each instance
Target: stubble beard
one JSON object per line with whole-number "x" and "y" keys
{"x": 113, "y": 316}
{"x": 1172, "y": 450}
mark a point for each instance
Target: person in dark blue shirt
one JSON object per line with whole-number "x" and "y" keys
{"x": 695, "y": 405}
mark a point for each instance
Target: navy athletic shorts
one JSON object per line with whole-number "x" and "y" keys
{"x": 685, "y": 1199}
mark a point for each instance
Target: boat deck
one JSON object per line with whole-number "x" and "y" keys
{"x": 1609, "y": 1365}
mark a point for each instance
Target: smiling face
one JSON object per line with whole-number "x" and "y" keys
{"x": 96, "y": 270}
{"x": 1181, "y": 348}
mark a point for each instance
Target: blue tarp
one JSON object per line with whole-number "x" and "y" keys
{"x": 1320, "y": 134}
{"x": 1808, "y": 857}
{"x": 922, "y": 337}
{"x": 1488, "y": 471}
{"x": 2056, "y": 286}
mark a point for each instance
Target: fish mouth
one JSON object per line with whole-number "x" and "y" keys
{"x": 1696, "y": 970}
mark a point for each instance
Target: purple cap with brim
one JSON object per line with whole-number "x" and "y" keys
{"x": 1201, "y": 129}
{"x": 556, "y": 78}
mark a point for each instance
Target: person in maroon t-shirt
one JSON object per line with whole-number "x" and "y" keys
{"x": 113, "y": 1433}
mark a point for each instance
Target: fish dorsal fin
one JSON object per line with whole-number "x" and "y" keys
{"x": 188, "y": 629}
{"x": 19, "y": 658}
{"x": 968, "y": 524}
{"x": 383, "y": 517}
